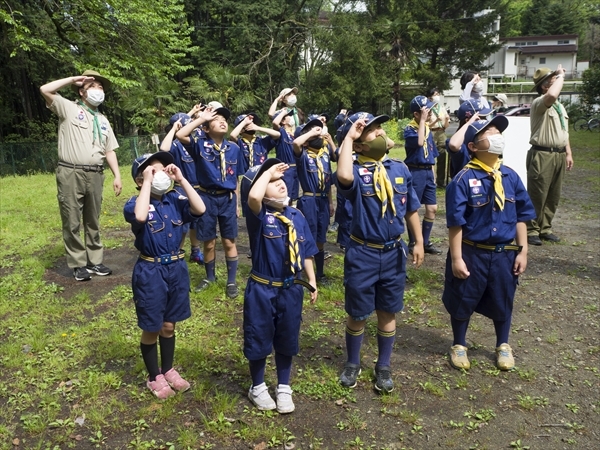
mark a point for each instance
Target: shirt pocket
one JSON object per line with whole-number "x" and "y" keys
{"x": 79, "y": 129}
{"x": 400, "y": 197}
{"x": 272, "y": 232}
{"x": 156, "y": 225}
{"x": 509, "y": 214}
{"x": 177, "y": 222}
{"x": 207, "y": 154}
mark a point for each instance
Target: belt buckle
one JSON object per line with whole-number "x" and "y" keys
{"x": 86, "y": 167}
{"x": 287, "y": 282}
{"x": 499, "y": 248}
{"x": 391, "y": 245}
{"x": 165, "y": 259}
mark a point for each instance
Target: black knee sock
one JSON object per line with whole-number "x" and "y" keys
{"x": 167, "y": 352}
{"x": 150, "y": 356}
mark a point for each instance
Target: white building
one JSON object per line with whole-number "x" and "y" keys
{"x": 521, "y": 56}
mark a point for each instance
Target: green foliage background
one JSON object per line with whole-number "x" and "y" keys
{"x": 165, "y": 56}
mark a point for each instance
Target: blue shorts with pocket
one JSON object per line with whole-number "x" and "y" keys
{"x": 489, "y": 289}
{"x": 272, "y": 318}
{"x": 374, "y": 280}
{"x": 424, "y": 185}
{"x": 316, "y": 212}
{"x": 221, "y": 208}
{"x": 161, "y": 293}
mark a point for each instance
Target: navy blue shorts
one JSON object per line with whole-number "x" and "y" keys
{"x": 374, "y": 280}
{"x": 489, "y": 290}
{"x": 161, "y": 293}
{"x": 272, "y": 318}
{"x": 316, "y": 212}
{"x": 221, "y": 208}
{"x": 290, "y": 178}
{"x": 424, "y": 185}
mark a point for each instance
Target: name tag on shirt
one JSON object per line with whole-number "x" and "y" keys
{"x": 399, "y": 180}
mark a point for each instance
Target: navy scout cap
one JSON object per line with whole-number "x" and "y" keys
{"x": 500, "y": 122}
{"x": 254, "y": 174}
{"x": 313, "y": 123}
{"x": 241, "y": 117}
{"x": 142, "y": 162}
{"x": 370, "y": 118}
{"x": 419, "y": 102}
{"x": 470, "y": 107}
{"x": 185, "y": 119}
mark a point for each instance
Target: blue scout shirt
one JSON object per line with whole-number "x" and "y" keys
{"x": 269, "y": 241}
{"x": 184, "y": 161}
{"x": 284, "y": 150}
{"x": 367, "y": 223}
{"x": 260, "y": 149}
{"x": 162, "y": 232}
{"x": 458, "y": 159}
{"x": 415, "y": 154}
{"x": 208, "y": 163}
{"x": 470, "y": 205}
{"x": 308, "y": 173}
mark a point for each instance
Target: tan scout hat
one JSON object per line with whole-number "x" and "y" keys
{"x": 92, "y": 73}
{"x": 540, "y": 75}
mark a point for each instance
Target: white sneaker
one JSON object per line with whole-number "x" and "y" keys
{"x": 285, "y": 405}
{"x": 259, "y": 395}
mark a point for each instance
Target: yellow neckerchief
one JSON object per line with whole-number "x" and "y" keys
{"x": 217, "y": 147}
{"x": 294, "y": 248}
{"x": 250, "y": 150}
{"x": 413, "y": 124}
{"x": 316, "y": 154}
{"x": 95, "y": 120}
{"x": 381, "y": 182}
{"x": 494, "y": 172}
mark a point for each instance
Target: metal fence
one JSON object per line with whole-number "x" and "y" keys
{"x": 25, "y": 158}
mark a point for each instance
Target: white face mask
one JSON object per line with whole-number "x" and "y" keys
{"x": 291, "y": 101}
{"x": 95, "y": 97}
{"x": 478, "y": 87}
{"x": 436, "y": 98}
{"x": 277, "y": 203}
{"x": 496, "y": 144}
{"x": 160, "y": 183}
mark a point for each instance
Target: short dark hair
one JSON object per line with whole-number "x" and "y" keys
{"x": 431, "y": 91}
{"x": 466, "y": 77}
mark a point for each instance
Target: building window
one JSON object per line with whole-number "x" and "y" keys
{"x": 563, "y": 42}
{"x": 532, "y": 43}
{"x": 542, "y": 60}
{"x": 522, "y": 61}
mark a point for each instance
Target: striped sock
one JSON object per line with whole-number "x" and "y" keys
{"x": 353, "y": 343}
{"x": 385, "y": 344}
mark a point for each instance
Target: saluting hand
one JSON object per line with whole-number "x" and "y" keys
{"x": 174, "y": 173}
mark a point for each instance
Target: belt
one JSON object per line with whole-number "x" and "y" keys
{"x": 286, "y": 283}
{"x": 214, "y": 191}
{"x": 164, "y": 259}
{"x": 385, "y": 247}
{"x": 498, "y": 248}
{"x": 549, "y": 149}
{"x": 84, "y": 167}
{"x": 419, "y": 166}
{"x": 315, "y": 194}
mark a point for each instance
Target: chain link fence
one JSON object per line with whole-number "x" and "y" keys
{"x": 26, "y": 158}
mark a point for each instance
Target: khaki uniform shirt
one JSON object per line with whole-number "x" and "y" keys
{"x": 546, "y": 130}
{"x": 76, "y": 133}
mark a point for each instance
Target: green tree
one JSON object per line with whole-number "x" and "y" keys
{"x": 130, "y": 41}
{"x": 590, "y": 89}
